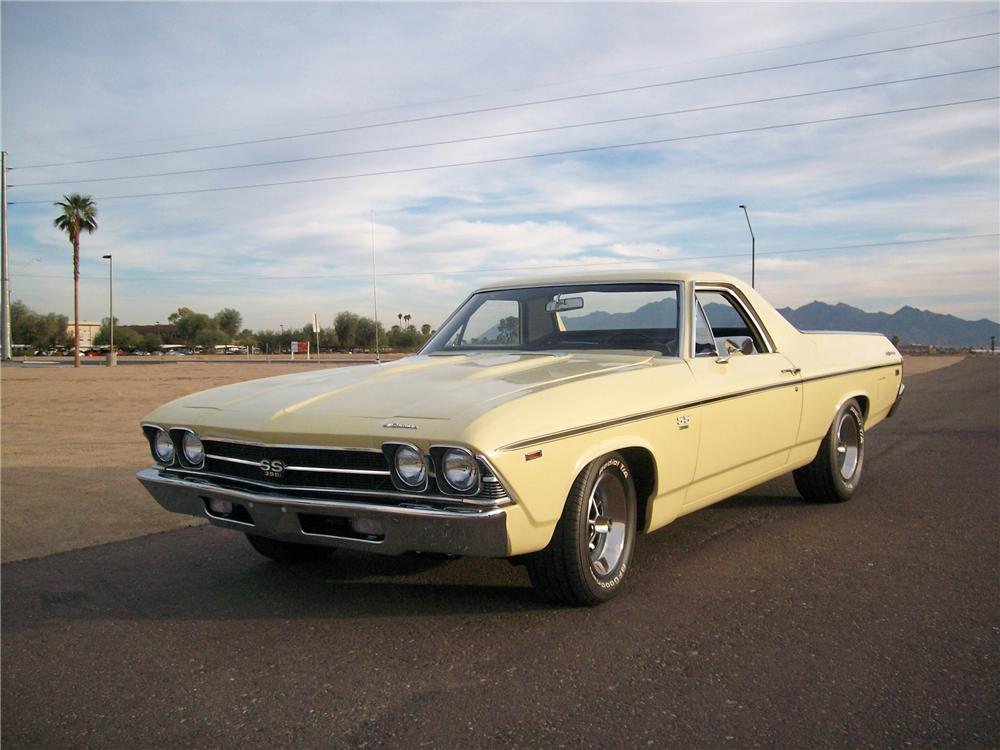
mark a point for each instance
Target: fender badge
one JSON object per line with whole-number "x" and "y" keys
{"x": 400, "y": 425}
{"x": 532, "y": 456}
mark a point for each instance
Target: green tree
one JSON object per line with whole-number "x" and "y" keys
{"x": 20, "y": 322}
{"x": 125, "y": 338}
{"x": 365, "y": 336}
{"x": 346, "y": 327}
{"x": 425, "y": 330}
{"x": 151, "y": 342}
{"x": 209, "y": 337}
{"x": 246, "y": 337}
{"x": 229, "y": 321}
{"x": 190, "y": 324}
{"x": 79, "y": 214}
{"x": 328, "y": 339}
{"x": 39, "y": 331}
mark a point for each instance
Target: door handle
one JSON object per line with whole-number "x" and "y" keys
{"x": 791, "y": 370}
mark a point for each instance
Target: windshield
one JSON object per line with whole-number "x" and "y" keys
{"x": 637, "y": 316}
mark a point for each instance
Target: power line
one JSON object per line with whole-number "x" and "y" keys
{"x": 534, "y": 131}
{"x": 649, "y": 260}
{"x": 518, "y": 105}
{"x": 522, "y": 157}
{"x": 551, "y": 84}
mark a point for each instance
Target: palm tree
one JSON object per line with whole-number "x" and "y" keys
{"x": 407, "y": 319}
{"x": 400, "y": 316}
{"x": 78, "y": 214}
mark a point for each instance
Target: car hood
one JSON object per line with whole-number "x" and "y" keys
{"x": 422, "y": 387}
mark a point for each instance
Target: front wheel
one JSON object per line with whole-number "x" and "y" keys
{"x": 590, "y": 551}
{"x": 834, "y": 474}
{"x": 288, "y": 552}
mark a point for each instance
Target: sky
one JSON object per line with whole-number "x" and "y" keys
{"x": 877, "y": 212}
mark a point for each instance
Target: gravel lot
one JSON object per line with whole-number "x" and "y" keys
{"x": 70, "y": 446}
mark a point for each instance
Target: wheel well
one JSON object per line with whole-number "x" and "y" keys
{"x": 640, "y": 462}
{"x": 863, "y": 403}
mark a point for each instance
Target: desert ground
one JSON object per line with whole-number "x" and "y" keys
{"x": 70, "y": 445}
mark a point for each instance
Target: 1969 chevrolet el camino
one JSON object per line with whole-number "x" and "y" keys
{"x": 547, "y": 421}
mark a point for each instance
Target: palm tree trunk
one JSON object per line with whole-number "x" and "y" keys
{"x": 76, "y": 302}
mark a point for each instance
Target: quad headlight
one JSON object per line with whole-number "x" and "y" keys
{"x": 411, "y": 468}
{"x": 460, "y": 469}
{"x": 194, "y": 451}
{"x": 163, "y": 447}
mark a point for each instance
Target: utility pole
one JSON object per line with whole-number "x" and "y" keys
{"x": 753, "y": 249}
{"x": 113, "y": 353}
{"x": 5, "y": 342}
{"x": 378, "y": 361}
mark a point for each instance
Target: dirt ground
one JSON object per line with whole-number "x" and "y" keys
{"x": 70, "y": 446}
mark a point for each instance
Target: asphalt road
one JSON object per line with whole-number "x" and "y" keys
{"x": 760, "y": 622}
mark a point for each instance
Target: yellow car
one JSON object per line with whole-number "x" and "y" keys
{"x": 547, "y": 421}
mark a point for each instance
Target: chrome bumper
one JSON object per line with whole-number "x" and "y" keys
{"x": 460, "y": 531}
{"x": 897, "y": 402}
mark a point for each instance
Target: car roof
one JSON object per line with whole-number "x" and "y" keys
{"x": 616, "y": 277}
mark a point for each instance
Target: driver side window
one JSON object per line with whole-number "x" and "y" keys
{"x": 727, "y": 328}
{"x": 704, "y": 342}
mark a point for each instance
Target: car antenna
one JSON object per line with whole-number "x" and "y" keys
{"x": 378, "y": 360}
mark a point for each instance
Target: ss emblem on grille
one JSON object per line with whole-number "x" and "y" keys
{"x": 272, "y": 468}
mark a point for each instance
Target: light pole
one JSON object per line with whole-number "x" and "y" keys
{"x": 753, "y": 249}
{"x": 281, "y": 339}
{"x": 113, "y": 353}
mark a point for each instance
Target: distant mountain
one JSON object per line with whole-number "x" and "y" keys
{"x": 913, "y": 326}
{"x": 662, "y": 314}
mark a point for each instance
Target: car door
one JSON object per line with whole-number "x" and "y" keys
{"x": 750, "y": 395}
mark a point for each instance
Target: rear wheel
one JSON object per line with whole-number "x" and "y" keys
{"x": 590, "y": 551}
{"x": 834, "y": 474}
{"x": 289, "y": 552}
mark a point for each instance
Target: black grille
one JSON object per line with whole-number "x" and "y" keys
{"x": 346, "y": 461}
{"x": 315, "y": 457}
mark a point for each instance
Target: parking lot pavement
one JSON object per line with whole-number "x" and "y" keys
{"x": 759, "y": 622}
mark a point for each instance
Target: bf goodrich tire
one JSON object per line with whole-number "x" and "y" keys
{"x": 591, "y": 549}
{"x": 834, "y": 474}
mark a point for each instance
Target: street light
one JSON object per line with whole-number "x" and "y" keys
{"x": 753, "y": 248}
{"x": 113, "y": 354}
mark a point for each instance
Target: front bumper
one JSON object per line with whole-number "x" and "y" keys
{"x": 463, "y": 530}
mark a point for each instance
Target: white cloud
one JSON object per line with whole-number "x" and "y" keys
{"x": 168, "y": 76}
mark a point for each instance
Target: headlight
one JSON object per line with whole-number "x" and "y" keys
{"x": 163, "y": 446}
{"x": 410, "y": 465}
{"x": 194, "y": 451}
{"x": 460, "y": 469}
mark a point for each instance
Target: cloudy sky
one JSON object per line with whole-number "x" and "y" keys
{"x": 876, "y": 211}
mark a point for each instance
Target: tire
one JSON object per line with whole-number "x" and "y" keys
{"x": 591, "y": 548}
{"x": 289, "y": 552}
{"x": 834, "y": 475}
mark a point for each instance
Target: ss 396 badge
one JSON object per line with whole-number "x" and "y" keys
{"x": 272, "y": 468}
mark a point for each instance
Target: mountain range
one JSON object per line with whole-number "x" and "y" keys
{"x": 913, "y": 326}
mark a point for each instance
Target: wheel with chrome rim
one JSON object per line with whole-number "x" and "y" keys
{"x": 834, "y": 474}
{"x": 590, "y": 551}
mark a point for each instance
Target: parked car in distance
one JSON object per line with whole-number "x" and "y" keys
{"x": 547, "y": 421}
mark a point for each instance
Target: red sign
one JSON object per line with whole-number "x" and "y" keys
{"x": 300, "y": 347}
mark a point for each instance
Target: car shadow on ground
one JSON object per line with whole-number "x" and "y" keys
{"x": 206, "y": 573}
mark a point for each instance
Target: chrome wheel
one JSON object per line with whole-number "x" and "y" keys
{"x": 848, "y": 445}
{"x": 607, "y": 515}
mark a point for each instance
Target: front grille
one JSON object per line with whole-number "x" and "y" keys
{"x": 318, "y": 469}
